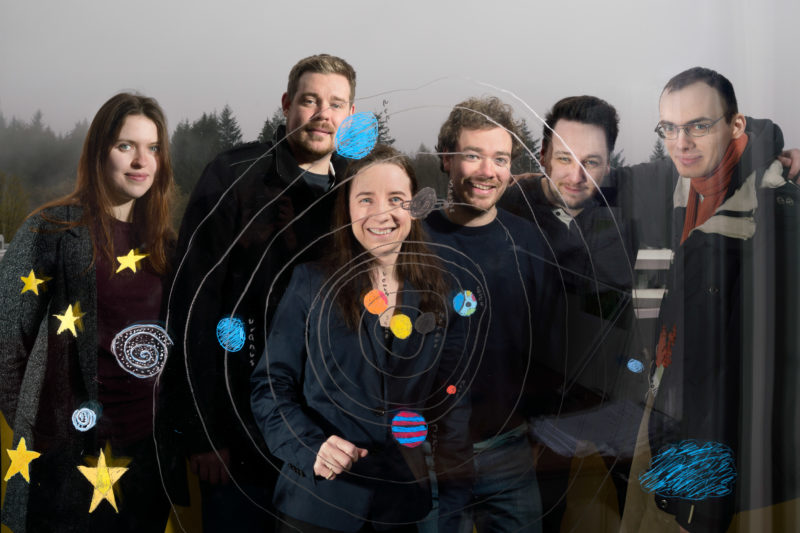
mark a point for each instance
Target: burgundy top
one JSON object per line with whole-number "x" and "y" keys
{"x": 124, "y": 299}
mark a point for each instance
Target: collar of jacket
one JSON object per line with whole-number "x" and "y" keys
{"x": 286, "y": 164}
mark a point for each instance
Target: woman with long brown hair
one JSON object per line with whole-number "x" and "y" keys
{"x": 80, "y": 295}
{"x": 361, "y": 358}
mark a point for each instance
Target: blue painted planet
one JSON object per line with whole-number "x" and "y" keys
{"x": 691, "y": 470}
{"x": 635, "y": 366}
{"x": 231, "y": 334}
{"x": 357, "y": 135}
{"x": 465, "y": 303}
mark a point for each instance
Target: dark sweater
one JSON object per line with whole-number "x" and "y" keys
{"x": 501, "y": 264}
{"x": 124, "y": 298}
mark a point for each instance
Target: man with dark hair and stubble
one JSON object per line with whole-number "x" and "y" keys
{"x": 257, "y": 210}
{"x": 594, "y": 248}
{"x": 491, "y": 253}
{"x": 569, "y": 202}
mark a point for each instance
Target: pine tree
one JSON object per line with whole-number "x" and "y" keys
{"x": 37, "y": 122}
{"x": 658, "y": 151}
{"x": 384, "y": 137}
{"x": 526, "y": 161}
{"x": 230, "y": 134}
{"x": 36, "y": 156}
{"x": 271, "y": 125}
{"x": 13, "y": 205}
{"x": 193, "y": 147}
{"x": 427, "y": 168}
{"x": 617, "y": 160}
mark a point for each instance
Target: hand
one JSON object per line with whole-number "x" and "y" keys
{"x": 335, "y": 456}
{"x": 791, "y": 159}
{"x": 210, "y": 468}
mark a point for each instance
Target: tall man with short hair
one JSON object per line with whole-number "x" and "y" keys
{"x": 594, "y": 247}
{"x": 491, "y": 253}
{"x": 726, "y": 366}
{"x": 253, "y": 214}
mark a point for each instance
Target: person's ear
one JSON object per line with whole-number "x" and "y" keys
{"x": 738, "y": 125}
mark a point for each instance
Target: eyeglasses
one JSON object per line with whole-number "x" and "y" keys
{"x": 665, "y": 130}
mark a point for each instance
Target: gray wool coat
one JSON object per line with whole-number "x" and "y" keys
{"x": 45, "y": 376}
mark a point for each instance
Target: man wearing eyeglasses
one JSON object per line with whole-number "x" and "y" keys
{"x": 726, "y": 360}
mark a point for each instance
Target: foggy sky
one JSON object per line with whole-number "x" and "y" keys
{"x": 67, "y": 58}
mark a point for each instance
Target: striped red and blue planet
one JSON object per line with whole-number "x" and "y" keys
{"x": 409, "y": 428}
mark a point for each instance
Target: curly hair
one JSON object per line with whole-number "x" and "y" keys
{"x": 478, "y": 114}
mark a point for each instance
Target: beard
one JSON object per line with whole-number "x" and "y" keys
{"x": 305, "y": 148}
{"x": 556, "y": 198}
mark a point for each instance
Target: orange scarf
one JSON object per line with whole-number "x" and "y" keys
{"x": 712, "y": 187}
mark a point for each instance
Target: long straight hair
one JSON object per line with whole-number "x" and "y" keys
{"x": 151, "y": 212}
{"x": 416, "y": 263}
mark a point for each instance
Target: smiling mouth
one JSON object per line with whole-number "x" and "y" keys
{"x": 137, "y": 177}
{"x": 381, "y": 231}
{"x": 481, "y": 186}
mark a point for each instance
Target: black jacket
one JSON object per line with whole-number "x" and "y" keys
{"x": 250, "y": 218}
{"x": 732, "y": 297}
{"x": 319, "y": 378}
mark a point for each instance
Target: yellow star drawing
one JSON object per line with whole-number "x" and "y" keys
{"x": 20, "y": 460}
{"x": 71, "y": 318}
{"x": 31, "y": 283}
{"x": 102, "y": 477}
{"x": 130, "y": 260}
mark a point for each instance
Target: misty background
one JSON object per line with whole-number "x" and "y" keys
{"x": 219, "y": 69}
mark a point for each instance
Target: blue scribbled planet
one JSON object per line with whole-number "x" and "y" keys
{"x": 231, "y": 334}
{"x": 635, "y": 366}
{"x": 357, "y": 135}
{"x": 465, "y": 303}
{"x": 409, "y": 428}
{"x": 691, "y": 470}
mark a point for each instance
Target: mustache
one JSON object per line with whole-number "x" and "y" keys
{"x": 319, "y": 126}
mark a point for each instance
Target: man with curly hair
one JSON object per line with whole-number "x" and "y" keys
{"x": 494, "y": 258}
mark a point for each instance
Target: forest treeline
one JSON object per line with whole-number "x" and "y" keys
{"x": 38, "y": 165}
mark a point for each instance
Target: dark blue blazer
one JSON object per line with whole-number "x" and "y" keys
{"x": 319, "y": 378}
